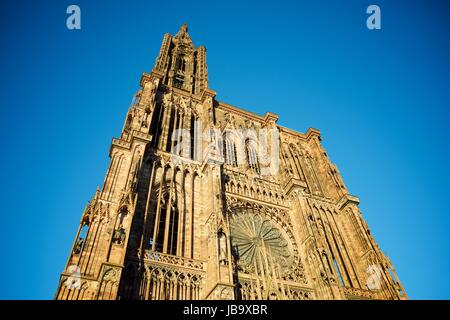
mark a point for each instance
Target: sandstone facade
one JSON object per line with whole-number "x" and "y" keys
{"x": 203, "y": 200}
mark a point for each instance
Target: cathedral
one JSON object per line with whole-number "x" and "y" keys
{"x": 204, "y": 200}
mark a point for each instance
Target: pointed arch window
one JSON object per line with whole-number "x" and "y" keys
{"x": 229, "y": 151}
{"x": 336, "y": 267}
{"x": 81, "y": 238}
{"x": 193, "y": 142}
{"x": 128, "y": 122}
{"x": 252, "y": 156}
{"x": 159, "y": 239}
{"x": 155, "y": 125}
{"x": 165, "y": 237}
{"x": 173, "y": 230}
{"x": 181, "y": 65}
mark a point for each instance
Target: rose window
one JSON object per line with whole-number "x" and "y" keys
{"x": 259, "y": 245}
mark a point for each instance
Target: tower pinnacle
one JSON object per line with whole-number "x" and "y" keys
{"x": 183, "y": 65}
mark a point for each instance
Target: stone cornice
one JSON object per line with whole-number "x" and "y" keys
{"x": 266, "y": 118}
{"x": 119, "y": 143}
{"x": 145, "y": 77}
{"x": 305, "y": 136}
{"x": 347, "y": 199}
{"x": 208, "y": 93}
{"x": 124, "y": 144}
{"x": 246, "y": 114}
{"x": 292, "y": 183}
{"x": 257, "y": 201}
{"x": 181, "y": 92}
{"x": 269, "y": 116}
{"x": 142, "y": 136}
{"x": 227, "y": 107}
{"x": 157, "y": 74}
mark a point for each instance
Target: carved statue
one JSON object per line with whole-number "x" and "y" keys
{"x": 223, "y": 259}
{"x": 78, "y": 246}
{"x": 119, "y": 236}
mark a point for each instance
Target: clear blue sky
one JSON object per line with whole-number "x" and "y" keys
{"x": 380, "y": 99}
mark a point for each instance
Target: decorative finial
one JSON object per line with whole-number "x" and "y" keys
{"x": 183, "y": 34}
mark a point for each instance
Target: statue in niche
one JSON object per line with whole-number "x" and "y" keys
{"x": 128, "y": 122}
{"x": 122, "y": 213}
{"x": 86, "y": 219}
{"x": 119, "y": 236}
{"x": 223, "y": 259}
{"x": 167, "y": 99}
{"x": 78, "y": 246}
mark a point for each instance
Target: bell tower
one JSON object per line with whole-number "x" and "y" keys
{"x": 183, "y": 65}
{"x": 142, "y": 235}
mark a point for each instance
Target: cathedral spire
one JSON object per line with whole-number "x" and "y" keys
{"x": 183, "y": 65}
{"x": 184, "y": 27}
{"x": 189, "y": 210}
{"x": 183, "y": 35}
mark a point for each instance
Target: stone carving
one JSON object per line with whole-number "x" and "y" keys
{"x": 78, "y": 246}
{"x": 223, "y": 255}
{"x": 259, "y": 241}
{"x": 110, "y": 275}
{"x": 119, "y": 236}
{"x": 174, "y": 260}
{"x": 197, "y": 229}
{"x": 226, "y": 294}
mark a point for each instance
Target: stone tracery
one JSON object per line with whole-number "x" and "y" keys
{"x": 190, "y": 224}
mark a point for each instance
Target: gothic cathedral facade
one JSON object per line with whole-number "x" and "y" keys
{"x": 203, "y": 200}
